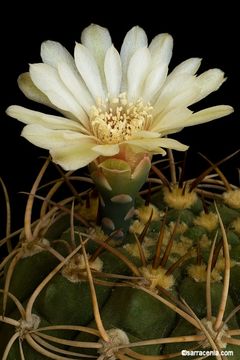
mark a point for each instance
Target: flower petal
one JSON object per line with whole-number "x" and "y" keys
{"x": 156, "y": 145}
{"x": 75, "y": 84}
{"x": 107, "y": 150}
{"x": 209, "y": 114}
{"x": 49, "y": 121}
{"x": 210, "y": 81}
{"x": 46, "y": 78}
{"x": 161, "y": 49}
{"x": 74, "y": 157}
{"x": 89, "y": 71}
{"x": 172, "y": 120}
{"x": 137, "y": 71}
{"x": 174, "y": 87}
{"x": 135, "y": 38}
{"x": 189, "y": 66}
{"x": 52, "y": 53}
{"x": 113, "y": 71}
{"x": 172, "y": 144}
{"x": 98, "y": 40}
{"x": 146, "y": 134}
{"x": 49, "y": 139}
{"x": 154, "y": 82}
{"x": 28, "y": 88}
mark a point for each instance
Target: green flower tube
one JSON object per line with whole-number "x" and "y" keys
{"x": 118, "y": 186}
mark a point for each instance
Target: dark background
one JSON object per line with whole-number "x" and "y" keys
{"x": 198, "y": 31}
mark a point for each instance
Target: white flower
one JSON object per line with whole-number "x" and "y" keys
{"x": 110, "y": 99}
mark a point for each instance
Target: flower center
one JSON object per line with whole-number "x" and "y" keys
{"x": 116, "y": 120}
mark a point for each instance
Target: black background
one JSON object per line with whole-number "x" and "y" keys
{"x": 199, "y": 30}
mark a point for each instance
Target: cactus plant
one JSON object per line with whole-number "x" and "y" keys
{"x": 132, "y": 261}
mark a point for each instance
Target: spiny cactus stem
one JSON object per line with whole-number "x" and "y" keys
{"x": 118, "y": 254}
{"x": 46, "y": 280}
{"x": 29, "y": 206}
{"x": 236, "y": 331}
{"x": 182, "y": 313}
{"x": 219, "y": 172}
{"x": 156, "y": 260}
{"x": 175, "y": 265}
{"x": 8, "y": 278}
{"x": 172, "y": 166}
{"x": 61, "y": 206}
{"x": 168, "y": 340}
{"x": 226, "y": 278}
{"x": 169, "y": 245}
{"x": 9, "y": 345}
{"x": 145, "y": 229}
{"x": 9, "y": 321}
{"x": 203, "y": 329}
{"x": 17, "y": 303}
{"x": 197, "y": 181}
{"x": 208, "y": 280}
{"x": 161, "y": 177}
{"x": 96, "y": 310}
{"x": 229, "y": 317}
{"x": 141, "y": 252}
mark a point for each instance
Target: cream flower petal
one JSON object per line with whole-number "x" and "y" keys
{"x": 209, "y": 114}
{"x": 89, "y": 71}
{"x": 52, "y": 53}
{"x": 113, "y": 71}
{"x": 49, "y": 139}
{"x": 156, "y": 145}
{"x": 137, "y": 71}
{"x": 73, "y": 157}
{"x": 113, "y": 102}
{"x": 189, "y": 66}
{"x": 98, "y": 40}
{"x": 46, "y": 78}
{"x": 56, "y": 55}
{"x": 178, "y": 84}
{"x": 172, "y": 144}
{"x": 161, "y": 49}
{"x": 210, "y": 81}
{"x": 28, "y": 88}
{"x": 186, "y": 97}
{"x": 146, "y": 134}
{"x": 74, "y": 83}
{"x": 135, "y": 38}
{"x": 154, "y": 82}
{"x": 49, "y": 121}
{"x": 174, "y": 119}
{"x": 107, "y": 150}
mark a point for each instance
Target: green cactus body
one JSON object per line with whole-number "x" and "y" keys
{"x": 142, "y": 281}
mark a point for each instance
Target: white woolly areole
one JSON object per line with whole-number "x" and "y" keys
{"x": 232, "y": 198}
{"x": 144, "y": 213}
{"x": 28, "y": 325}
{"x": 207, "y": 221}
{"x": 157, "y": 277}
{"x": 199, "y": 273}
{"x": 181, "y": 227}
{"x": 117, "y": 337}
{"x": 75, "y": 268}
{"x": 32, "y": 248}
{"x": 177, "y": 200}
{"x": 217, "y": 336}
{"x": 133, "y": 250}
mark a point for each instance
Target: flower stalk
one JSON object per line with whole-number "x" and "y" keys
{"x": 118, "y": 187}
